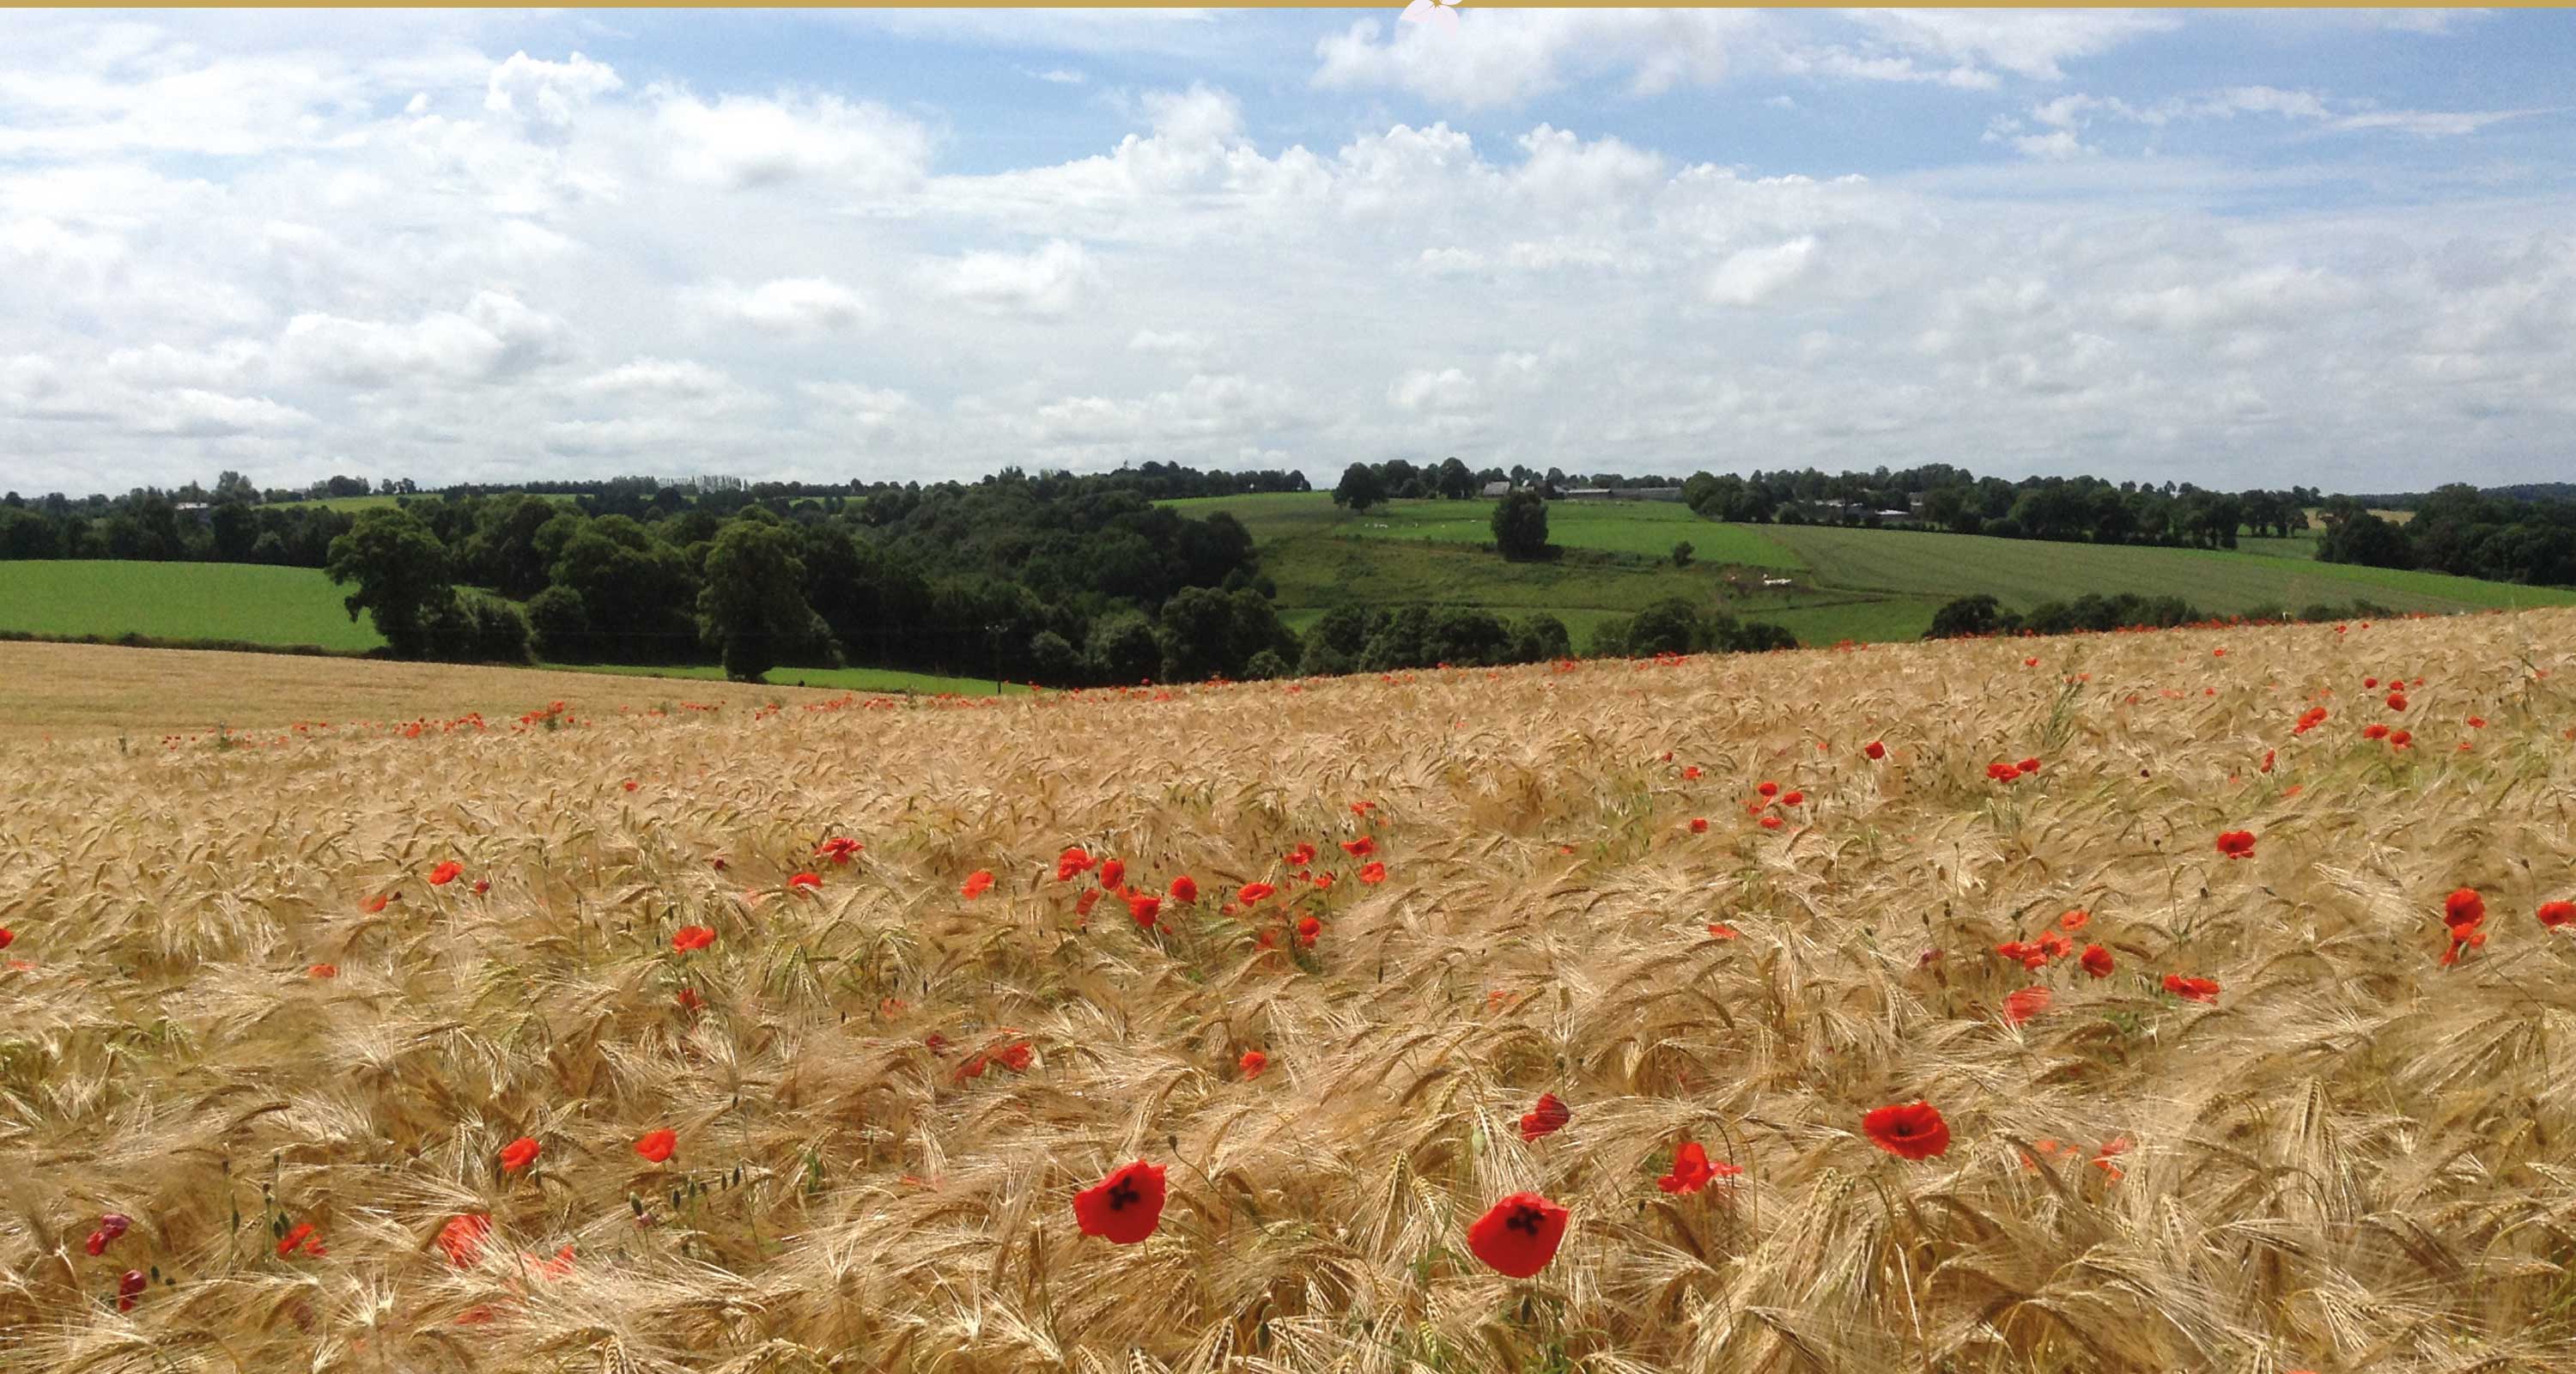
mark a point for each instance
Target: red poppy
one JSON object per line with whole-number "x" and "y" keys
{"x": 840, "y": 849}
{"x": 481, "y": 886}
{"x": 2370, "y": 682}
{"x": 657, "y": 1145}
{"x": 297, "y": 1235}
{"x": 2267, "y": 760}
{"x": 1252, "y": 1063}
{"x": 1546, "y": 1118}
{"x": 1768, "y": 789}
{"x": 519, "y": 1154}
{"x": 1071, "y": 862}
{"x": 445, "y": 873}
{"x": 2002, "y": 772}
{"x": 129, "y": 1287}
{"x": 1770, "y": 822}
{"x": 1914, "y": 1131}
{"x": 110, "y": 1227}
{"x": 2399, "y": 739}
{"x": 2056, "y": 944}
{"x": 2236, "y": 844}
{"x": 1185, "y": 889}
{"x": 1373, "y": 872}
{"x": 1301, "y": 856}
{"x": 317, "y": 971}
{"x": 630, "y": 784}
{"x": 2397, "y": 701}
{"x": 1125, "y": 1207}
{"x": 1113, "y": 874}
{"x": 2477, "y": 722}
{"x": 2374, "y": 730}
{"x": 7, "y": 937}
{"x": 1793, "y": 799}
{"x": 2192, "y": 989}
{"x": 978, "y": 883}
{"x": 2030, "y": 663}
{"x": 2075, "y": 920}
{"x": 377, "y": 903}
{"x": 1876, "y": 749}
{"x": 806, "y": 881}
{"x": 2556, "y": 914}
{"x": 1307, "y": 929}
{"x": 1251, "y": 893}
{"x": 2027, "y": 766}
{"x": 1360, "y": 848}
{"x": 1699, "y": 825}
{"x": 1690, "y": 774}
{"x": 1321, "y": 881}
{"x": 1721, "y": 932}
{"x": 688, "y": 939}
{"x": 1015, "y": 1056}
{"x": 2096, "y": 961}
{"x": 1144, "y": 907}
{"x": 1690, "y": 1171}
{"x": 1518, "y": 1235}
{"x": 462, "y": 1238}
{"x": 690, "y": 1001}
{"x": 1082, "y": 905}
{"x": 2464, "y": 907}
{"x": 2025, "y": 1003}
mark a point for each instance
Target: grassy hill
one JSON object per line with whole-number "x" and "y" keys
{"x": 2233, "y": 1114}
{"x": 1864, "y": 585}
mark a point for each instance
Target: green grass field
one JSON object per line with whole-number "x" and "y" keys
{"x": 247, "y": 602}
{"x": 1647, "y": 529}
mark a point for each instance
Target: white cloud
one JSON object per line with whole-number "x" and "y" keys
{"x": 746, "y": 141}
{"x": 1048, "y": 282}
{"x": 1425, "y": 389}
{"x": 494, "y": 337}
{"x": 792, "y": 305}
{"x": 1754, "y": 275}
{"x": 544, "y": 94}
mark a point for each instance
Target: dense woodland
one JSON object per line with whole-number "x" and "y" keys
{"x": 1067, "y": 580}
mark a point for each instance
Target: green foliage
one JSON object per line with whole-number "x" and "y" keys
{"x": 1520, "y": 526}
{"x": 753, "y": 605}
{"x": 560, "y": 624}
{"x": 1971, "y": 615}
{"x": 401, "y": 575}
{"x": 1360, "y": 488}
{"x": 1682, "y": 554}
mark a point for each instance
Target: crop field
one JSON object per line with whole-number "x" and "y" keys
{"x": 2144, "y": 1002}
{"x": 248, "y": 602}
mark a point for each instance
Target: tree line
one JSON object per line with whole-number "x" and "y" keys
{"x": 2458, "y": 529}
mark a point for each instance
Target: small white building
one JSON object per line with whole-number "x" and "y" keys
{"x": 1498, "y": 489}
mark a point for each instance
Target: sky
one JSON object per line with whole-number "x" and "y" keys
{"x": 2237, "y": 248}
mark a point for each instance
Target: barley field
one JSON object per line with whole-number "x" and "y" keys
{"x": 2219, "y": 960}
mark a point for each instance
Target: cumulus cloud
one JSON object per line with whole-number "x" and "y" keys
{"x": 545, "y": 94}
{"x": 1048, "y": 282}
{"x": 493, "y": 337}
{"x": 747, "y": 141}
{"x": 1754, "y": 275}
{"x": 791, "y": 305}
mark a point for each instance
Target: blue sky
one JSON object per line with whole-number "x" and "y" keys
{"x": 2226, "y": 247}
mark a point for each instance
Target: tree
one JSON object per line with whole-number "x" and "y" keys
{"x": 560, "y": 624}
{"x": 1456, "y": 482}
{"x": 402, "y": 577}
{"x": 1682, "y": 554}
{"x": 1970, "y": 615}
{"x": 1361, "y": 487}
{"x": 753, "y": 605}
{"x": 1520, "y": 526}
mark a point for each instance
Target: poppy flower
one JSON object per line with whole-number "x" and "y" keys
{"x": 1689, "y": 774}
{"x": 2192, "y": 989}
{"x": 1082, "y": 905}
{"x": 689, "y": 1000}
{"x": 1699, "y": 825}
{"x": 688, "y": 939}
{"x": 1360, "y": 848}
{"x": 840, "y": 849}
{"x": 110, "y": 1227}
{"x": 2464, "y": 907}
{"x": 2477, "y": 722}
{"x": 462, "y": 1238}
{"x": 720, "y": 863}
{"x": 2370, "y": 682}
{"x": 2075, "y": 920}
{"x": 1914, "y": 1131}
{"x": 2399, "y": 739}
{"x": 1113, "y": 874}
{"x": 1144, "y": 907}
{"x": 2021, "y": 951}
{"x": 130, "y": 1287}
{"x": 2002, "y": 772}
{"x": 1721, "y": 932}
{"x": 1768, "y": 789}
{"x": 1690, "y": 1171}
{"x": 1071, "y": 862}
{"x": 657, "y": 1145}
{"x": 1770, "y": 822}
{"x": 519, "y": 1154}
{"x": 377, "y": 903}
{"x": 2027, "y": 766}
{"x": 2374, "y": 730}
{"x": 2096, "y": 961}
{"x": 445, "y": 873}
{"x": 1301, "y": 856}
{"x": 1123, "y": 1208}
{"x": 295, "y": 1236}
{"x": 317, "y": 971}
{"x": 978, "y": 883}
{"x": 630, "y": 784}
{"x": 1518, "y": 1235}
{"x": 481, "y": 886}
{"x": 2556, "y": 914}
{"x": 1307, "y": 929}
{"x": 2056, "y": 944}
{"x": 2030, "y": 663}
{"x": 1252, "y": 1063}
{"x": 1185, "y": 889}
{"x": 1014, "y": 1056}
{"x": 2026, "y": 1003}
{"x": 2267, "y": 760}
{"x": 1251, "y": 893}
{"x": 806, "y": 881}
{"x": 2397, "y": 701}
{"x": 1372, "y": 872}
{"x": 1876, "y": 749}
{"x": 1793, "y": 799}
{"x": 1546, "y": 1118}
{"x": 2236, "y": 844}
